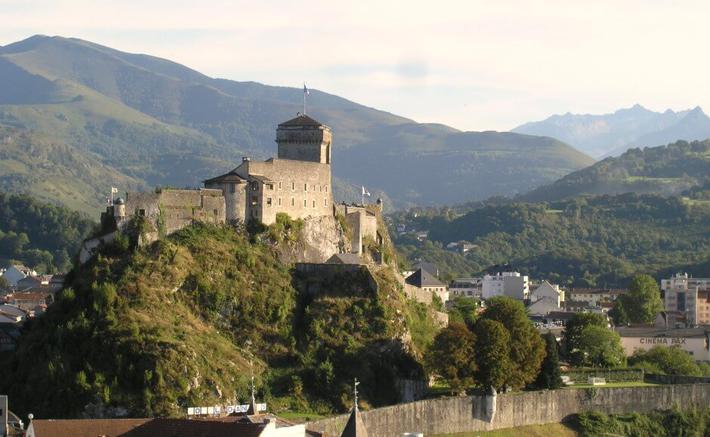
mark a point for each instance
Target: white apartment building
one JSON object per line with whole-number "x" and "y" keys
{"x": 688, "y": 295}
{"x": 511, "y": 284}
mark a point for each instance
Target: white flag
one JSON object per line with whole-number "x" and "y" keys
{"x": 306, "y": 91}
{"x": 365, "y": 192}
{"x": 114, "y": 190}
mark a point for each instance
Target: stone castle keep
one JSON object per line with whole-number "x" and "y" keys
{"x": 297, "y": 182}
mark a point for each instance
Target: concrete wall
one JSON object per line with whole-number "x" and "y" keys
{"x": 467, "y": 414}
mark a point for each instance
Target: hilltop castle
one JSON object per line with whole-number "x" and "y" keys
{"x": 297, "y": 182}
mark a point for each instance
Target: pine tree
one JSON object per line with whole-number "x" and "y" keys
{"x": 549, "y": 376}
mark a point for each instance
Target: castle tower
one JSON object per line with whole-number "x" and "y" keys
{"x": 304, "y": 139}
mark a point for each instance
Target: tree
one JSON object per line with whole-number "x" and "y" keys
{"x": 601, "y": 347}
{"x": 527, "y": 348}
{"x": 4, "y": 286}
{"x": 549, "y": 376}
{"x": 669, "y": 360}
{"x": 493, "y": 354}
{"x": 643, "y": 301}
{"x": 451, "y": 356}
{"x": 573, "y": 334}
{"x": 464, "y": 310}
{"x": 618, "y": 312}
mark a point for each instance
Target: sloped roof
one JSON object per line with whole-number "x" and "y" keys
{"x": 344, "y": 258}
{"x": 232, "y": 176}
{"x": 424, "y": 278}
{"x": 261, "y": 178}
{"x": 144, "y": 428}
{"x": 301, "y": 120}
{"x": 355, "y": 427}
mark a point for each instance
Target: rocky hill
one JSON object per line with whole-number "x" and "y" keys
{"x": 612, "y": 134}
{"x": 138, "y": 121}
{"x": 151, "y": 330}
{"x": 669, "y": 169}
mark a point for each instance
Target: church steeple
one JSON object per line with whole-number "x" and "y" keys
{"x": 355, "y": 426}
{"x": 304, "y": 139}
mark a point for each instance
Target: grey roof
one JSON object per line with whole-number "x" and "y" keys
{"x": 301, "y": 120}
{"x": 344, "y": 258}
{"x": 429, "y": 267}
{"x": 423, "y": 278}
{"x": 355, "y": 427}
{"x": 232, "y": 176}
{"x": 661, "y": 332}
{"x": 261, "y": 178}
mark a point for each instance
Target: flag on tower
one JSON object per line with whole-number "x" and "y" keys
{"x": 365, "y": 192}
{"x": 114, "y": 190}
{"x": 306, "y": 91}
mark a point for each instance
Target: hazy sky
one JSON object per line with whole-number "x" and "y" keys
{"x": 474, "y": 65}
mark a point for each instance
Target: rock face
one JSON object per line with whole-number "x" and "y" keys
{"x": 320, "y": 238}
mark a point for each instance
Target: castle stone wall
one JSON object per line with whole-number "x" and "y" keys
{"x": 171, "y": 210}
{"x": 468, "y": 414}
{"x": 298, "y": 188}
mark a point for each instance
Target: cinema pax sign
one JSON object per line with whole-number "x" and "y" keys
{"x": 668, "y": 341}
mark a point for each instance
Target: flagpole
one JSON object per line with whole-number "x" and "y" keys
{"x": 304, "y": 98}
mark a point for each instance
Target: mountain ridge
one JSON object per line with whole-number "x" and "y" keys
{"x": 611, "y": 134}
{"x": 162, "y": 112}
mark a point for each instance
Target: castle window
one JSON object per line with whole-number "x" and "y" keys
{"x": 293, "y": 186}
{"x": 268, "y": 201}
{"x": 279, "y": 185}
{"x": 314, "y": 203}
{"x": 270, "y": 186}
{"x": 325, "y": 202}
{"x": 305, "y": 203}
{"x": 232, "y": 188}
{"x": 254, "y": 186}
{"x": 305, "y": 187}
{"x": 293, "y": 202}
{"x": 141, "y": 212}
{"x": 216, "y": 212}
{"x": 326, "y": 188}
{"x": 279, "y": 201}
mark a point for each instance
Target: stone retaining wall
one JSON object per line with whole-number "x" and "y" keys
{"x": 466, "y": 414}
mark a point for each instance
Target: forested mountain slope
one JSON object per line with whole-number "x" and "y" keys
{"x": 669, "y": 169}
{"x": 593, "y": 241}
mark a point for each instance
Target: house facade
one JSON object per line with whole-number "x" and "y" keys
{"x": 511, "y": 284}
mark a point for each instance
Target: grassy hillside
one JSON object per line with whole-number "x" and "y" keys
{"x": 39, "y": 235}
{"x": 153, "y": 330}
{"x": 595, "y": 241}
{"x": 667, "y": 169}
{"x": 153, "y": 121}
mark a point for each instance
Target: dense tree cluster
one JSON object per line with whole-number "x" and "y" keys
{"x": 505, "y": 349}
{"x": 42, "y": 236}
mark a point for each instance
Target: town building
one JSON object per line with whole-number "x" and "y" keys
{"x": 461, "y": 247}
{"x": 690, "y": 296}
{"x": 511, "y": 284}
{"x": 695, "y": 341}
{"x": 466, "y": 287}
{"x": 32, "y": 302}
{"x": 594, "y": 297}
{"x": 16, "y": 272}
{"x": 550, "y": 291}
{"x": 428, "y": 282}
